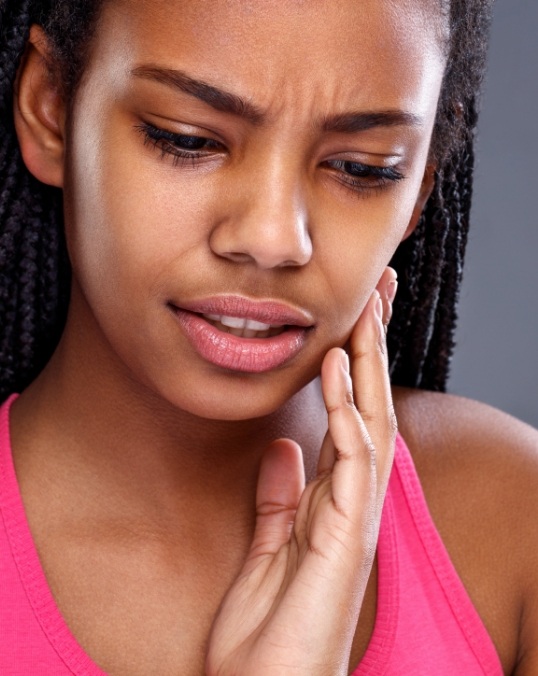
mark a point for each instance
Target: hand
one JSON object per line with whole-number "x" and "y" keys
{"x": 295, "y": 605}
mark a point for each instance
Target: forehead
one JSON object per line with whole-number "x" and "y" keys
{"x": 364, "y": 50}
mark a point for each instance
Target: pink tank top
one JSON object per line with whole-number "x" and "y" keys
{"x": 425, "y": 624}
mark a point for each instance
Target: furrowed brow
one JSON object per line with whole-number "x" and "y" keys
{"x": 233, "y": 104}
{"x": 216, "y": 98}
{"x": 351, "y": 123}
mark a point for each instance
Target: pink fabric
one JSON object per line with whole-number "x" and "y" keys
{"x": 425, "y": 624}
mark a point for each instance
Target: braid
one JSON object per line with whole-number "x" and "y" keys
{"x": 34, "y": 268}
{"x": 34, "y": 275}
{"x": 430, "y": 261}
{"x": 457, "y": 210}
{"x": 421, "y": 339}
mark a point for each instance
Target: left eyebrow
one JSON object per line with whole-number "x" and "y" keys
{"x": 351, "y": 123}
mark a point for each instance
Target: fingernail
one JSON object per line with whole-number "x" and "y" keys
{"x": 379, "y": 308}
{"x": 344, "y": 358}
{"x": 392, "y": 288}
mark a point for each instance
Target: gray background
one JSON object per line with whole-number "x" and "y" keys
{"x": 495, "y": 358}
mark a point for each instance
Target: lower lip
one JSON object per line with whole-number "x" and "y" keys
{"x": 249, "y": 355}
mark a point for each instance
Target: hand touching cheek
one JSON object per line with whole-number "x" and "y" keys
{"x": 295, "y": 605}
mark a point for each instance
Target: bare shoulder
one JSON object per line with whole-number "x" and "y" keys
{"x": 479, "y": 470}
{"x": 458, "y": 436}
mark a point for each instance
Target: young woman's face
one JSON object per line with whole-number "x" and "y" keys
{"x": 229, "y": 158}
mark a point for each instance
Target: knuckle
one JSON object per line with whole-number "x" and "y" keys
{"x": 342, "y": 454}
{"x": 368, "y": 418}
{"x": 369, "y": 445}
{"x": 345, "y": 404}
{"x": 272, "y": 508}
{"x": 381, "y": 345}
{"x": 349, "y": 401}
{"x": 392, "y": 422}
{"x": 357, "y": 352}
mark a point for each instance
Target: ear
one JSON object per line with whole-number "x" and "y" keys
{"x": 39, "y": 112}
{"x": 426, "y": 188}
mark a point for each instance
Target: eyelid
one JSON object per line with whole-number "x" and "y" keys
{"x": 370, "y": 172}
{"x": 362, "y": 178}
{"x": 366, "y": 157}
{"x": 170, "y": 125}
{"x": 172, "y": 136}
{"x": 169, "y": 145}
{"x": 369, "y": 180}
{"x": 175, "y": 144}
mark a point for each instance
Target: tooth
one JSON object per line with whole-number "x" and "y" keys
{"x": 233, "y": 322}
{"x": 238, "y": 323}
{"x": 257, "y": 326}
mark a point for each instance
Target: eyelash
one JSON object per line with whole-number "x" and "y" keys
{"x": 365, "y": 180}
{"x": 168, "y": 143}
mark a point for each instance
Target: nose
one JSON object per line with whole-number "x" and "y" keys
{"x": 265, "y": 223}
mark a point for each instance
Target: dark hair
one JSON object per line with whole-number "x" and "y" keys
{"x": 34, "y": 268}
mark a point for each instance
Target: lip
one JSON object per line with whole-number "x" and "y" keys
{"x": 235, "y": 353}
{"x": 266, "y": 311}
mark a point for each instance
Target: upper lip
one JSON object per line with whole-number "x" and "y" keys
{"x": 265, "y": 311}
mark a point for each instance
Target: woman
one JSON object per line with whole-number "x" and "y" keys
{"x": 234, "y": 179}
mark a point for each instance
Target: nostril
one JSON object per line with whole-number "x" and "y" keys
{"x": 263, "y": 236}
{"x": 235, "y": 256}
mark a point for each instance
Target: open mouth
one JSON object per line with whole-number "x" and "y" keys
{"x": 243, "y": 328}
{"x": 271, "y": 336}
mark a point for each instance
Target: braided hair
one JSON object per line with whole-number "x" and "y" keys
{"x": 34, "y": 267}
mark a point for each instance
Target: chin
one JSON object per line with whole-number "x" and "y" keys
{"x": 228, "y": 408}
{"x": 232, "y": 396}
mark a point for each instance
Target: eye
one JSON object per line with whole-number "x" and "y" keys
{"x": 180, "y": 147}
{"x": 364, "y": 178}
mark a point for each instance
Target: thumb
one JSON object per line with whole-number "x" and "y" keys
{"x": 281, "y": 483}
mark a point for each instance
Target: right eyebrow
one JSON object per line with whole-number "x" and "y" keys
{"x": 216, "y": 98}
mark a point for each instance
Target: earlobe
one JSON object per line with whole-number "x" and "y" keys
{"x": 426, "y": 189}
{"x": 39, "y": 113}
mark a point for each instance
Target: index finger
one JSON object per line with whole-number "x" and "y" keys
{"x": 371, "y": 384}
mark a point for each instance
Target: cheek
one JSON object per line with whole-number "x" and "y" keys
{"x": 129, "y": 220}
{"x": 355, "y": 245}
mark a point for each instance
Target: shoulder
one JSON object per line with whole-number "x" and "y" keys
{"x": 479, "y": 472}
{"x": 458, "y": 436}
{"x": 490, "y": 457}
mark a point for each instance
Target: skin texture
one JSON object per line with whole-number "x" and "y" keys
{"x": 156, "y": 456}
{"x": 259, "y": 209}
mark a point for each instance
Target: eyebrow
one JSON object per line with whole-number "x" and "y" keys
{"x": 213, "y": 96}
{"x": 351, "y": 123}
{"x": 233, "y": 104}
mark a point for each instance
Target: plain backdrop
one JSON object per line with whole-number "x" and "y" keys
{"x": 497, "y": 340}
